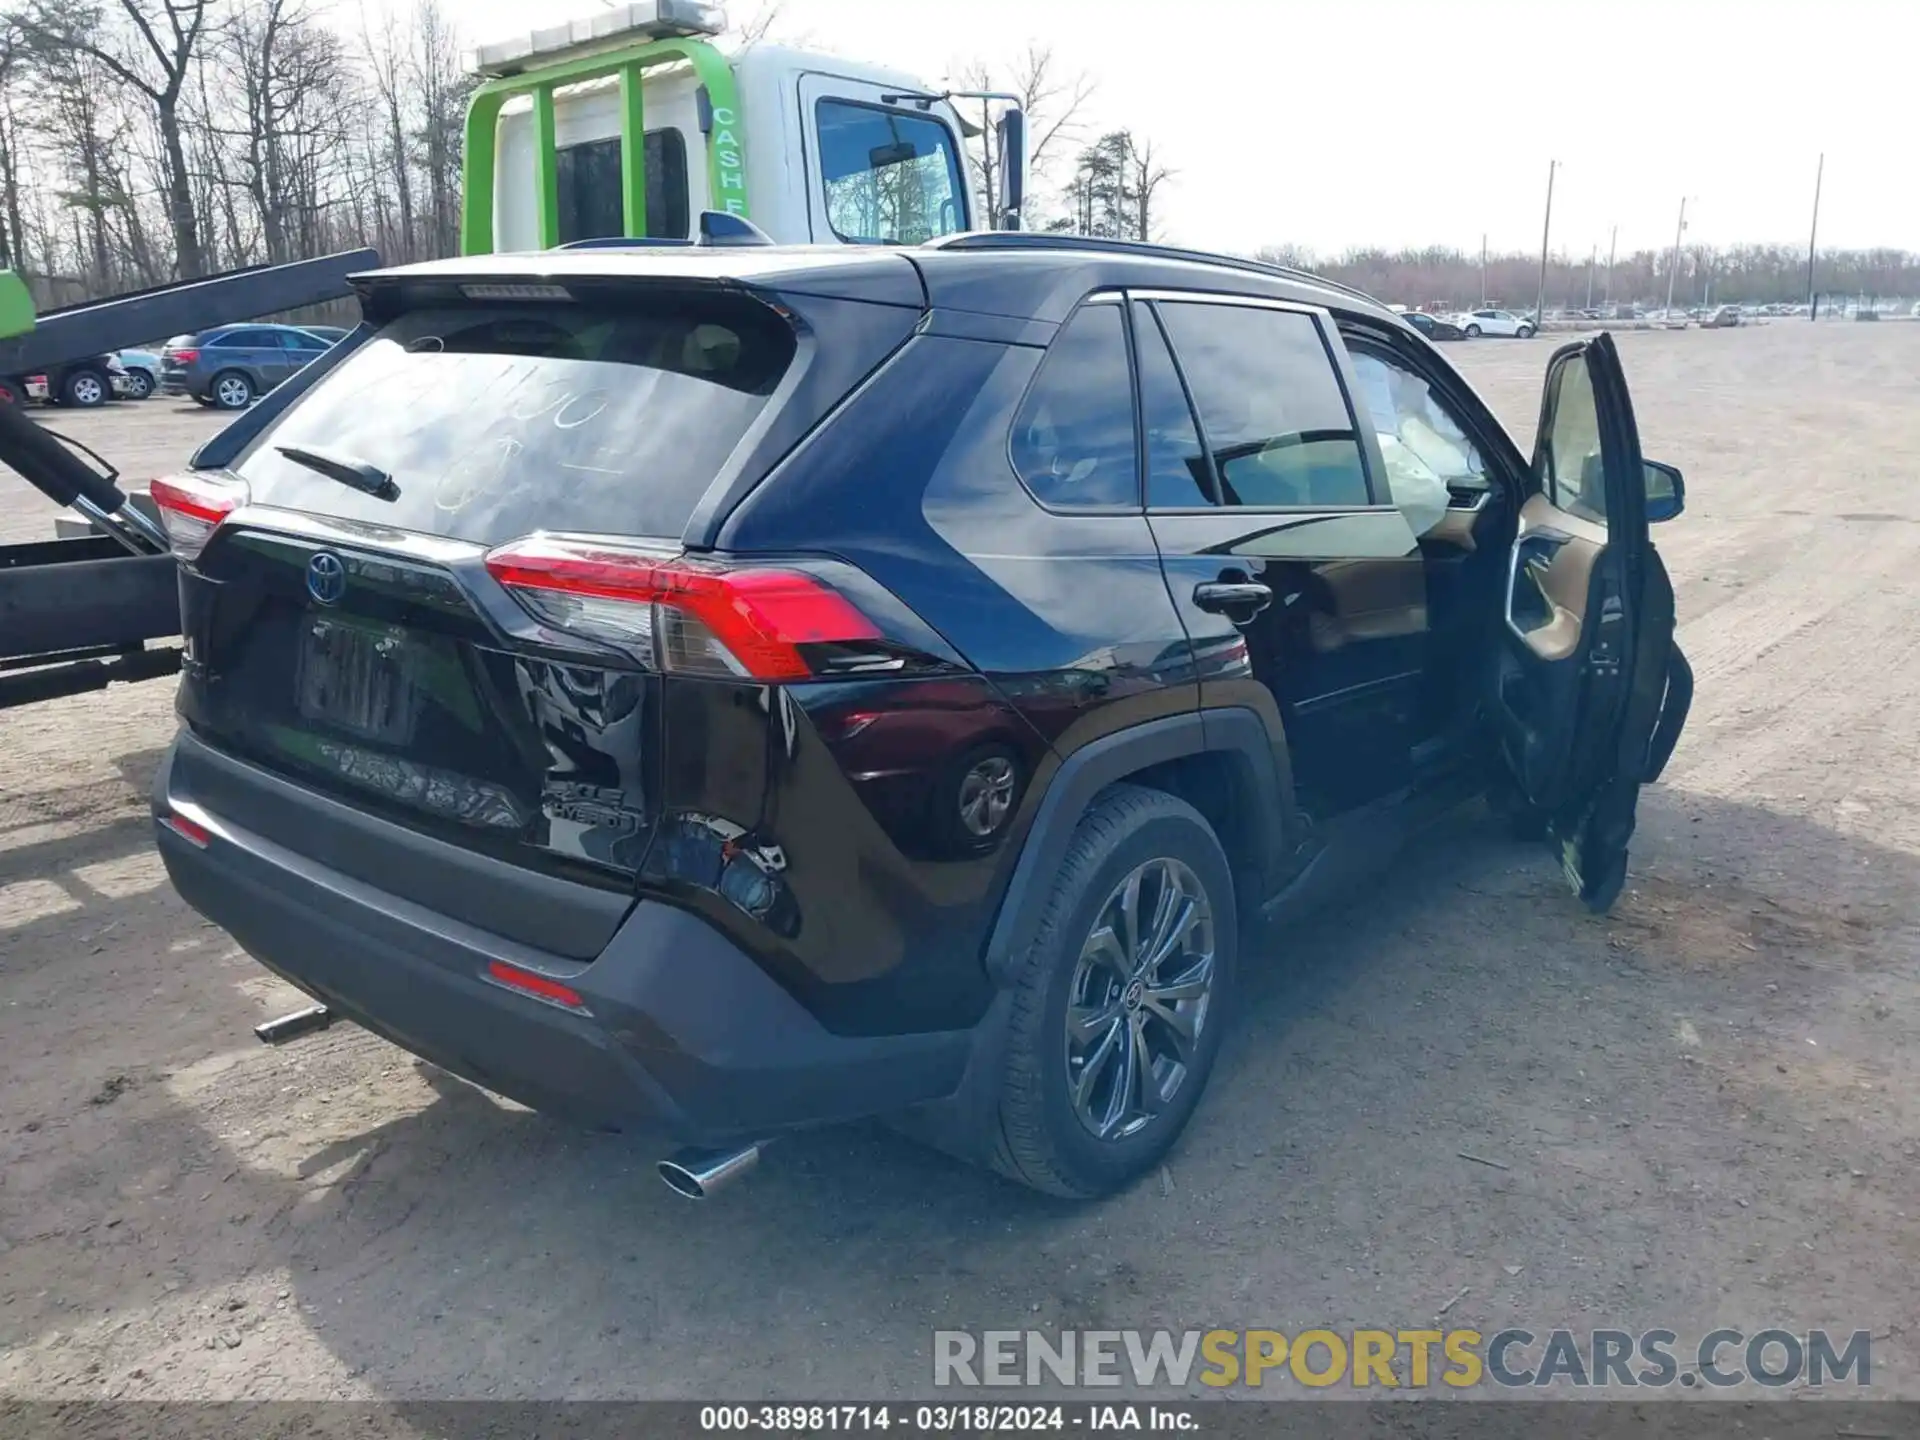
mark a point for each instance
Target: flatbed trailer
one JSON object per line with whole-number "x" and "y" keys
{"x": 79, "y": 612}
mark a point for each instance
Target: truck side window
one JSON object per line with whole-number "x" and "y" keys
{"x": 890, "y": 177}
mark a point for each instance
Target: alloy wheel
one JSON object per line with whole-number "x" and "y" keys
{"x": 986, "y": 795}
{"x": 233, "y": 393}
{"x": 1139, "y": 999}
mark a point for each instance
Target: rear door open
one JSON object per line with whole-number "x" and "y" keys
{"x": 1589, "y": 689}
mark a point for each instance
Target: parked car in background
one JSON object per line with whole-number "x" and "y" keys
{"x": 1723, "y": 318}
{"x": 1434, "y": 327}
{"x": 82, "y": 384}
{"x": 231, "y": 366}
{"x": 1495, "y": 322}
{"x": 143, "y": 372}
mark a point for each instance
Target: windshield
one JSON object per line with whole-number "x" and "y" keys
{"x": 892, "y": 177}
{"x": 499, "y": 420}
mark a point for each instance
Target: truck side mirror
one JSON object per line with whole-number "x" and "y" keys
{"x": 1013, "y": 170}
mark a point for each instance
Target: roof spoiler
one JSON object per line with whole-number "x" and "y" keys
{"x": 716, "y": 228}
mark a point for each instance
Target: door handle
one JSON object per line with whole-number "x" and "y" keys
{"x": 1239, "y": 600}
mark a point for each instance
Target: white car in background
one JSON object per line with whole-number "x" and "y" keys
{"x": 1495, "y": 322}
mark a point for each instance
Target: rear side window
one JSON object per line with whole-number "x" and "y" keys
{"x": 245, "y": 340}
{"x": 1275, "y": 416}
{"x": 499, "y": 420}
{"x": 1073, "y": 441}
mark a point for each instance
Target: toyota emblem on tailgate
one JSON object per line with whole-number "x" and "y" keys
{"x": 326, "y": 578}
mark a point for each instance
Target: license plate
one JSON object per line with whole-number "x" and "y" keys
{"x": 355, "y": 678}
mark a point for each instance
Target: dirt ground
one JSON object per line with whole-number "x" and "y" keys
{"x": 1703, "y": 1110}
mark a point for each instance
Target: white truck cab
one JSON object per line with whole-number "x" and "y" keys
{"x": 633, "y": 122}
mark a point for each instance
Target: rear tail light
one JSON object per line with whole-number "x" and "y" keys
{"x": 541, "y": 987}
{"x": 181, "y": 357}
{"x": 192, "y": 832}
{"x": 192, "y": 506}
{"x": 681, "y": 614}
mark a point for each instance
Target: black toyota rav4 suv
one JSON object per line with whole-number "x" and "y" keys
{"x": 714, "y": 691}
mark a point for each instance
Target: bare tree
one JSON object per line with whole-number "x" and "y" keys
{"x": 1051, "y": 101}
{"x": 387, "y": 64}
{"x": 150, "y": 46}
{"x": 13, "y": 231}
{"x": 1147, "y": 176}
{"x": 443, "y": 87}
{"x": 760, "y": 27}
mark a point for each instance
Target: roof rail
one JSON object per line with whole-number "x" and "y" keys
{"x": 1045, "y": 240}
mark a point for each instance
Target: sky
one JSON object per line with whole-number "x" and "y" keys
{"x": 1337, "y": 123}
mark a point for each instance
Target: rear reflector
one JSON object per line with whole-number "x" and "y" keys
{"x": 195, "y": 835}
{"x": 678, "y": 613}
{"x": 539, "y": 986}
{"x": 192, "y": 506}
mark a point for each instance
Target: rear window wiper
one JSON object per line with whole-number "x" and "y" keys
{"x": 354, "y": 474}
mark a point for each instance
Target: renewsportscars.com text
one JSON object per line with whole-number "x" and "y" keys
{"x": 1402, "y": 1359}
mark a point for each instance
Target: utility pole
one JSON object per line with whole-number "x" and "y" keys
{"x": 1546, "y": 229}
{"x": 1673, "y": 267}
{"x": 1483, "y": 270}
{"x": 1592, "y": 259}
{"x": 1613, "y": 247}
{"x": 1814, "y": 234}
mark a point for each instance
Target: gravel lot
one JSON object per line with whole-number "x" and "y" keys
{"x": 1704, "y": 1108}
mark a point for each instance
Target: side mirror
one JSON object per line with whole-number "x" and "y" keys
{"x": 1666, "y": 491}
{"x": 1013, "y": 170}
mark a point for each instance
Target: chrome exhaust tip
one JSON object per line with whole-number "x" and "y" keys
{"x": 698, "y": 1174}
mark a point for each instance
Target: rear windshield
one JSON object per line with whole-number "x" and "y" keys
{"x": 499, "y": 420}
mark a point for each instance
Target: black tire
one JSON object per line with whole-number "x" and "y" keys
{"x": 1526, "y": 332}
{"x": 231, "y": 390}
{"x": 1043, "y": 1141}
{"x": 140, "y": 384}
{"x": 85, "y": 388}
{"x": 1473, "y": 332}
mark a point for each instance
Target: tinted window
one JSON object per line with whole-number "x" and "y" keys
{"x": 1073, "y": 440}
{"x": 500, "y": 420}
{"x": 1176, "y": 463}
{"x": 245, "y": 340}
{"x": 592, "y": 202}
{"x": 890, "y": 177}
{"x": 295, "y": 340}
{"x": 1271, "y": 405}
